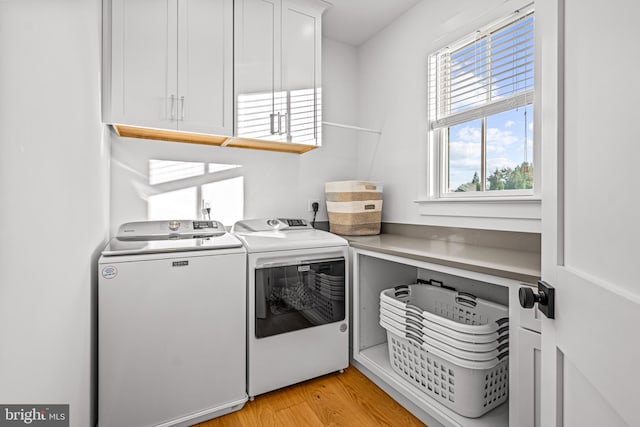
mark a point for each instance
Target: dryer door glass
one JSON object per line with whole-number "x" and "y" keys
{"x": 299, "y": 296}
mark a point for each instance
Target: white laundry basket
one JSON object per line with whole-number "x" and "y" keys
{"x": 471, "y": 351}
{"x": 452, "y": 346}
{"x": 474, "y": 318}
{"x": 469, "y": 388}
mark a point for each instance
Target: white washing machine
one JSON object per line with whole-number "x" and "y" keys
{"x": 171, "y": 324}
{"x": 297, "y": 311}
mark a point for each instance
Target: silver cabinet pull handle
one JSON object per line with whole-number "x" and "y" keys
{"x": 271, "y": 118}
{"x": 173, "y": 105}
{"x": 285, "y": 116}
{"x": 182, "y": 108}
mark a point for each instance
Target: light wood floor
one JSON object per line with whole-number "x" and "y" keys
{"x": 349, "y": 399}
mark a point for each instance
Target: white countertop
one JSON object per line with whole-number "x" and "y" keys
{"x": 513, "y": 264}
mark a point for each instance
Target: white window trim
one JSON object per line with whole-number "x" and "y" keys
{"x": 509, "y": 215}
{"x": 510, "y": 210}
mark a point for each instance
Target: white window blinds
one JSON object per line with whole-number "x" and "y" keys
{"x": 486, "y": 73}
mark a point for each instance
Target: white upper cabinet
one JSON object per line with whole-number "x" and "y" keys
{"x": 277, "y": 70}
{"x": 169, "y": 64}
{"x": 301, "y": 63}
{"x": 205, "y": 66}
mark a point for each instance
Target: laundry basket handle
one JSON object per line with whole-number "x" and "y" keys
{"x": 413, "y": 330}
{"x": 401, "y": 290}
{"x": 503, "y": 338}
{"x": 503, "y": 330}
{"x": 465, "y": 298}
{"x": 417, "y": 310}
{"x": 414, "y": 338}
{"x": 502, "y": 321}
{"x": 413, "y": 322}
{"x": 411, "y": 313}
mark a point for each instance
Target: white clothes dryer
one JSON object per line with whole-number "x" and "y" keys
{"x": 298, "y": 301}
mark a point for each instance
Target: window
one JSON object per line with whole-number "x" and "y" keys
{"x": 481, "y": 111}
{"x": 181, "y": 189}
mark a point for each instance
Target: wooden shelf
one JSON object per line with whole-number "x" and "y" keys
{"x": 214, "y": 140}
{"x": 258, "y": 144}
{"x": 376, "y": 360}
{"x": 168, "y": 135}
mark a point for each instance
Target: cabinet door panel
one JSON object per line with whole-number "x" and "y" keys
{"x": 205, "y": 69}
{"x": 530, "y": 319}
{"x": 529, "y": 376}
{"x": 257, "y": 67}
{"x": 144, "y": 73}
{"x": 301, "y": 71}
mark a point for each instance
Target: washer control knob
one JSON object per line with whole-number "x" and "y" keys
{"x": 273, "y": 223}
{"x": 174, "y": 225}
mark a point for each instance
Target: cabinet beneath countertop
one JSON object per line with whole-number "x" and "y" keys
{"x": 374, "y": 271}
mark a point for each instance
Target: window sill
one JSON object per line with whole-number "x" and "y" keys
{"x": 490, "y": 213}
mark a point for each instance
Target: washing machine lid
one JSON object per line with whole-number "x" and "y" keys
{"x": 279, "y": 234}
{"x": 144, "y": 237}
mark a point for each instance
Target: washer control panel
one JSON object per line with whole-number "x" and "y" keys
{"x": 207, "y": 225}
{"x": 295, "y": 223}
{"x": 271, "y": 224}
{"x": 172, "y": 229}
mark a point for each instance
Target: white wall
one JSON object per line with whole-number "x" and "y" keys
{"x": 393, "y": 96}
{"x": 276, "y": 184}
{"x": 54, "y": 195}
{"x": 335, "y": 161}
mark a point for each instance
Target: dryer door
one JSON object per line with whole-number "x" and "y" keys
{"x": 298, "y": 295}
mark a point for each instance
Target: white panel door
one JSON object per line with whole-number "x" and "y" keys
{"x": 144, "y": 68}
{"x": 205, "y": 66}
{"x": 588, "y": 111}
{"x": 257, "y": 68}
{"x": 301, "y": 71}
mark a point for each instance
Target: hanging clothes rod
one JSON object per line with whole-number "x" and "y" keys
{"x": 339, "y": 125}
